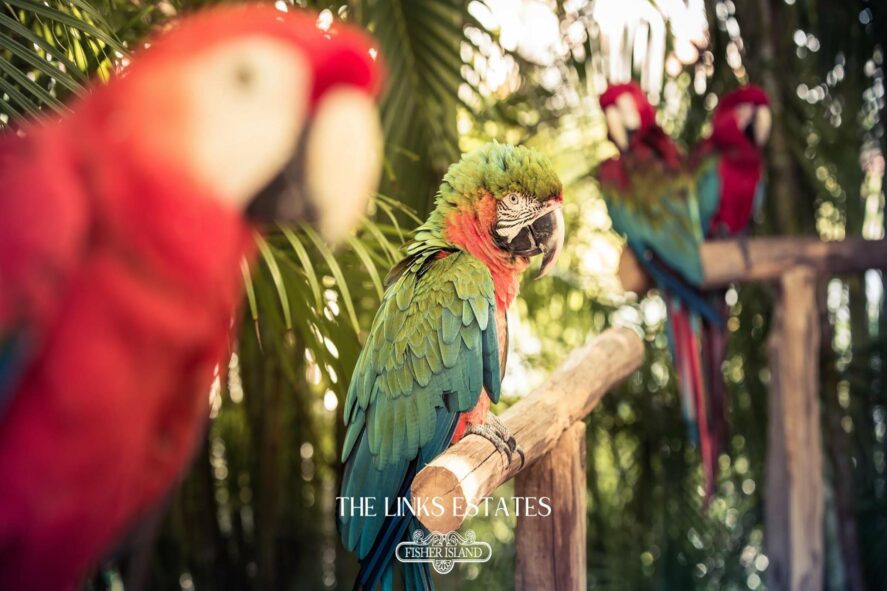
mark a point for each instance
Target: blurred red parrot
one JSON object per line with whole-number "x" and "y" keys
{"x": 123, "y": 228}
{"x": 729, "y": 170}
{"x": 729, "y": 164}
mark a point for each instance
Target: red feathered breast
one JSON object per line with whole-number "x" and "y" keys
{"x": 116, "y": 395}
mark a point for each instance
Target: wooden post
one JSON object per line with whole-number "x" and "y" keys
{"x": 551, "y": 548}
{"x": 794, "y": 493}
{"x": 632, "y": 276}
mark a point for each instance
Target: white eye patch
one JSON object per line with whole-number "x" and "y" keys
{"x": 513, "y": 212}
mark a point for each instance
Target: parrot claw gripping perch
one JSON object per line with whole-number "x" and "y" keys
{"x": 495, "y": 431}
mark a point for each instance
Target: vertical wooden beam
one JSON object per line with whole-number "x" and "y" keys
{"x": 794, "y": 493}
{"x": 551, "y": 549}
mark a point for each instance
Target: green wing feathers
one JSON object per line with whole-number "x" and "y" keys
{"x": 432, "y": 344}
{"x": 666, "y": 221}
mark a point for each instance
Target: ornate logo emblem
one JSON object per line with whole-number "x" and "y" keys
{"x": 443, "y": 551}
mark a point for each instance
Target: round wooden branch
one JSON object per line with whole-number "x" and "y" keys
{"x": 473, "y": 468}
{"x": 766, "y": 259}
{"x": 631, "y": 274}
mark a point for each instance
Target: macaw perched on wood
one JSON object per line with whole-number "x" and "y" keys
{"x": 123, "y": 229}
{"x": 729, "y": 164}
{"x": 435, "y": 354}
{"x": 729, "y": 171}
{"x": 652, "y": 202}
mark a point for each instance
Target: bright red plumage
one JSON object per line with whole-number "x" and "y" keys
{"x": 121, "y": 278}
{"x": 110, "y": 407}
{"x": 740, "y": 161}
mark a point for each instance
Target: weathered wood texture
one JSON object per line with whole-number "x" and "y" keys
{"x": 473, "y": 468}
{"x": 794, "y": 493}
{"x": 551, "y": 548}
{"x": 766, "y": 259}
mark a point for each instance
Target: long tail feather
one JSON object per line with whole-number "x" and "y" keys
{"x": 714, "y": 353}
{"x": 680, "y": 358}
{"x": 686, "y": 327}
{"x": 379, "y": 569}
{"x": 416, "y": 575}
{"x": 377, "y": 566}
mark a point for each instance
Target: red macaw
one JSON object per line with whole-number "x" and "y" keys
{"x": 651, "y": 200}
{"x": 433, "y": 359}
{"x": 729, "y": 170}
{"x": 123, "y": 228}
{"x": 729, "y": 164}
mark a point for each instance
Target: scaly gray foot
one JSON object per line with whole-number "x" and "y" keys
{"x": 495, "y": 431}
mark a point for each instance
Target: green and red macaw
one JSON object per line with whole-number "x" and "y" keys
{"x": 435, "y": 354}
{"x": 729, "y": 164}
{"x": 123, "y": 230}
{"x": 729, "y": 170}
{"x": 651, "y": 198}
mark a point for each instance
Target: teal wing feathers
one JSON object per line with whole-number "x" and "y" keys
{"x": 666, "y": 222}
{"x": 760, "y": 195}
{"x": 430, "y": 351}
{"x": 708, "y": 190}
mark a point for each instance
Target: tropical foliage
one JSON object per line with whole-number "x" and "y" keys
{"x": 256, "y": 511}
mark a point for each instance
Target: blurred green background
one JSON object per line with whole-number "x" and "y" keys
{"x": 256, "y": 510}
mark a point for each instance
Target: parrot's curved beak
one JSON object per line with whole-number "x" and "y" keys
{"x": 334, "y": 170}
{"x": 544, "y": 235}
{"x": 548, "y": 231}
{"x": 761, "y": 125}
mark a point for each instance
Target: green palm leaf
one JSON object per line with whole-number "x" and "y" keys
{"x": 420, "y": 42}
{"x": 47, "y": 52}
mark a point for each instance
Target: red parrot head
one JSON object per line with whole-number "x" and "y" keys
{"x": 743, "y": 118}
{"x": 628, "y": 113}
{"x": 259, "y": 108}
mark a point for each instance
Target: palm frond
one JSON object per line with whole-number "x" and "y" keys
{"x": 48, "y": 51}
{"x": 323, "y": 297}
{"x": 420, "y": 43}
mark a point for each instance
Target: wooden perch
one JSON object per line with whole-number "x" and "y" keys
{"x": 550, "y": 549}
{"x": 766, "y": 259}
{"x": 794, "y": 503}
{"x": 473, "y": 468}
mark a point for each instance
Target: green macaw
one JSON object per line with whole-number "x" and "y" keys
{"x": 434, "y": 358}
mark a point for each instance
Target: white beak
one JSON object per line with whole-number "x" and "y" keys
{"x": 762, "y": 125}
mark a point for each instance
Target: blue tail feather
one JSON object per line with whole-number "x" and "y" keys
{"x": 686, "y": 293}
{"x": 376, "y": 567}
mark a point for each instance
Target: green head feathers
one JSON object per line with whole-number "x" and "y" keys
{"x": 500, "y": 169}
{"x": 493, "y": 169}
{"x": 525, "y": 218}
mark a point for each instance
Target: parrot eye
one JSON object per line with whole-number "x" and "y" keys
{"x": 513, "y": 199}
